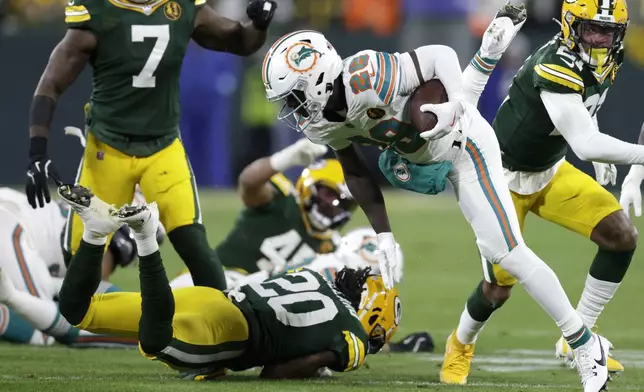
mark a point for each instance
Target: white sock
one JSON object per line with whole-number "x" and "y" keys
{"x": 543, "y": 285}
{"x": 468, "y": 329}
{"x": 596, "y": 294}
{"x": 145, "y": 246}
{"x": 92, "y": 238}
{"x": 40, "y": 313}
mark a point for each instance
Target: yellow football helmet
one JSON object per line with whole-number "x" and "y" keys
{"x": 595, "y": 29}
{"x": 324, "y": 197}
{"x": 379, "y": 312}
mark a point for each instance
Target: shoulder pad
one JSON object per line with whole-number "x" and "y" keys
{"x": 282, "y": 184}
{"x": 376, "y": 71}
{"x": 558, "y": 79}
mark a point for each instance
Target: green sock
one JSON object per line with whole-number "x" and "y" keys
{"x": 610, "y": 266}
{"x": 81, "y": 281}
{"x": 479, "y": 308}
{"x": 191, "y": 244}
{"x": 157, "y": 305}
{"x": 579, "y": 338}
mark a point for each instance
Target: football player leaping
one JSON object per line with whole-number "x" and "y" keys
{"x": 136, "y": 49}
{"x": 552, "y": 104}
{"x": 362, "y": 100}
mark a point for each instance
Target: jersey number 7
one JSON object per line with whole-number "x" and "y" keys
{"x": 146, "y": 78}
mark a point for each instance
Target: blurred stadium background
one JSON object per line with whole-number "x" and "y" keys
{"x": 226, "y": 121}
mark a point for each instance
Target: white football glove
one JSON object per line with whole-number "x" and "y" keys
{"x": 447, "y": 114}
{"x": 387, "y": 254}
{"x": 605, "y": 173}
{"x": 631, "y": 192}
{"x": 500, "y": 33}
{"x": 301, "y": 153}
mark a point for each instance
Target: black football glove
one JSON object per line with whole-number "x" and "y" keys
{"x": 40, "y": 170}
{"x": 261, "y": 13}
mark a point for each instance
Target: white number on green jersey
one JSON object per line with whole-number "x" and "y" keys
{"x": 595, "y": 102}
{"x": 146, "y": 78}
{"x": 299, "y": 291}
{"x": 279, "y": 251}
{"x": 568, "y": 57}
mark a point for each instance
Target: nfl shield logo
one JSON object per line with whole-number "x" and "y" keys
{"x": 100, "y": 155}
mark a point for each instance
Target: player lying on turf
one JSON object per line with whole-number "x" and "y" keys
{"x": 293, "y": 324}
{"x": 363, "y": 99}
{"x": 133, "y": 116}
{"x": 32, "y": 269}
{"x": 280, "y": 224}
{"x": 552, "y": 104}
{"x": 356, "y": 250}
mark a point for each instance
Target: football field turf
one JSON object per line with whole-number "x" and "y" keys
{"x": 514, "y": 353}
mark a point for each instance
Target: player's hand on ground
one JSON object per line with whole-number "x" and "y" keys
{"x": 447, "y": 114}
{"x": 605, "y": 173}
{"x": 40, "y": 170}
{"x": 261, "y": 13}
{"x": 631, "y": 196}
{"x": 387, "y": 254}
{"x": 502, "y": 30}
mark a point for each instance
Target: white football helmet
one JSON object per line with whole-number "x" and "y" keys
{"x": 300, "y": 69}
{"x": 359, "y": 246}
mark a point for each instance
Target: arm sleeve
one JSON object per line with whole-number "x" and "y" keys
{"x": 572, "y": 120}
{"x": 349, "y": 351}
{"x": 432, "y": 61}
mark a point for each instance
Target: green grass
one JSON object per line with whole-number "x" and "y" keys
{"x": 514, "y": 353}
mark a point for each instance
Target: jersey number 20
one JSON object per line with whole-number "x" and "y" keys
{"x": 301, "y": 287}
{"x": 146, "y": 78}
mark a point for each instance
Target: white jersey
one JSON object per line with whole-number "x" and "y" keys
{"x": 42, "y": 226}
{"x": 377, "y": 88}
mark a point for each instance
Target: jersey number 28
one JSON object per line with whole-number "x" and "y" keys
{"x": 146, "y": 78}
{"x": 300, "y": 287}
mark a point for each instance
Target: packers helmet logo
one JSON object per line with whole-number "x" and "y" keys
{"x": 302, "y": 57}
{"x": 397, "y": 311}
{"x": 401, "y": 171}
{"x": 172, "y": 10}
{"x": 375, "y": 113}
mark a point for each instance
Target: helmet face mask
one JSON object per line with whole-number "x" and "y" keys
{"x": 596, "y": 33}
{"x": 300, "y": 70}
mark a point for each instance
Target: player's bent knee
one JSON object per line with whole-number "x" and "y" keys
{"x": 615, "y": 232}
{"x": 522, "y": 262}
{"x": 497, "y": 295}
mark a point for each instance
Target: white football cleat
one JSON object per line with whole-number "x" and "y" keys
{"x": 500, "y": 33}
{"x": 143, "y": 219}
{"x": 591, "y": 361}
{"x": 97, "y": 215}
{"x": 564, "y": 352}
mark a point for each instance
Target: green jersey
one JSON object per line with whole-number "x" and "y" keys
{"x": 300, "y": 313}
{"x": 273, "y": 235}
{"x": 528, "y": 138}
{"x": 136, "y": 65}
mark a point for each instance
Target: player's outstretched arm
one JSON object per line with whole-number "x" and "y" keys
{"x": 65, "y": 64}
{"x": 364, "y": 187}
{"x": 631, "y": 187}
{"x": 215, "y": 32}
{"x": 572, "y": 119}
{"x": 496, "y": 40}
{"x": 254, "y": 180}
{"x": 306, "y": 367}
